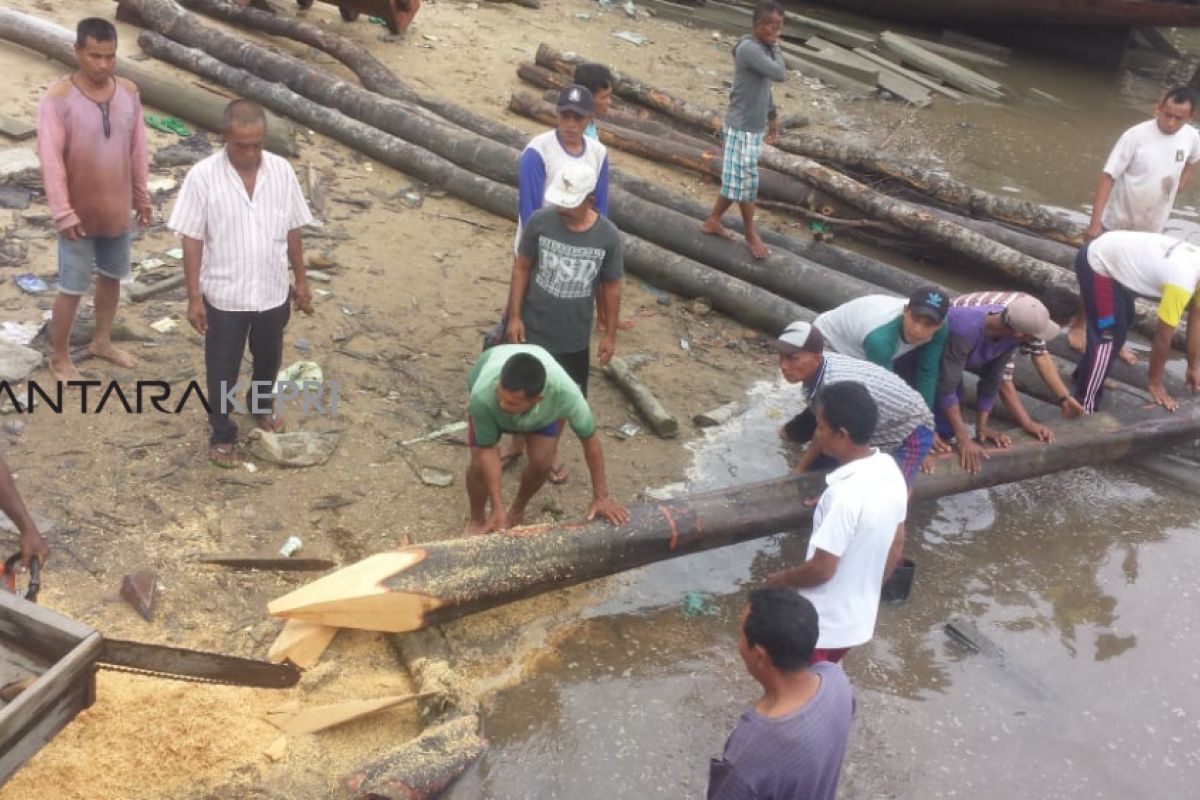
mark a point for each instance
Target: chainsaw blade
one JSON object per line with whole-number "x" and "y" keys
{"x": 195, "y": 666}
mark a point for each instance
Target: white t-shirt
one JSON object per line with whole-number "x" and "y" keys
{"x": 856, "y": 521}
{"x": 1152, "y": 265}
{"x": 847, "y": 326}
{"x": 1146, "y": 165}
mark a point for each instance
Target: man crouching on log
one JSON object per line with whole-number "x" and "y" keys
{"x": 757, "y": 62}
{"x": 520, "y": 388}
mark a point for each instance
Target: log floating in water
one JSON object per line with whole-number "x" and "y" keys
{"x": 651, "y": 409}
{"x": 190, "y": 103}
{"x": 427, "y": 584}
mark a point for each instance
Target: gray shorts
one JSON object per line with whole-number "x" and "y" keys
{"x": 77, "y": 259}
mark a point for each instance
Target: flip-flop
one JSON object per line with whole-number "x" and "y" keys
{"x": 224, "y": 449}
{"x": 167, "y": 124}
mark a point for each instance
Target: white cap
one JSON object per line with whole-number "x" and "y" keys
{"x": 569, "y": 188}
{"x": 798, "y": 337}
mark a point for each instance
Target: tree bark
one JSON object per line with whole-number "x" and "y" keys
{"x": 451, "y": 579}
{"x": 955, "y": 238}
{"x": 190, "y": 103}
{"x": 706, "y": 160}
{"x": 702, "y": 119}
{"x": 942, "y": 188}
{"x": 421, "y": 768}
{"x": 662, "y": 422}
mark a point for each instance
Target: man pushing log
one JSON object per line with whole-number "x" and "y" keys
{"x": 519, "y": 388}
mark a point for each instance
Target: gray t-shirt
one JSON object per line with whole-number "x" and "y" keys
{"x": 568, "y": 269}
{"x": 755, "y": 65}
{"x": 796, "y": 757}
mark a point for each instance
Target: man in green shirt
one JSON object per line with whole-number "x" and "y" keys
{"x": 520, "y": 388}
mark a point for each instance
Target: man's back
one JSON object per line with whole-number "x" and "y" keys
{"x": 794, "y": 757}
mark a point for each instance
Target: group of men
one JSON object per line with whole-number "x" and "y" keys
{"x": 884, "y": 376}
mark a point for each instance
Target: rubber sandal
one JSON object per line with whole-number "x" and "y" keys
{"x": 167, "y": 125}
{"x": 224, "y": 464}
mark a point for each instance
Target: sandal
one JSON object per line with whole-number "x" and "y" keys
{"x": 168, "y": 124}
{"x": 224, "y": 456}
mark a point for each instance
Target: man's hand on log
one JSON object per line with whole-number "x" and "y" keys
{"x": 1041, "y": 432}
{"x": 514, "y": 331}
{"x": 1001, "y": 440}
{"x": 604, "y": 353}
{"x": 940, "y": 445}
{"x": 1193, "y": 379}
{"x": 608, "y": 508}
{"x": 1162, "y": 397}
{"x": 971, "y": 456}
{"x": 1071, "y": 408}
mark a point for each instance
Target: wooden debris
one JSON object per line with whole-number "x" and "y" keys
{"x": 16, "y": 129}
{"x": 272, "y": 561}
{"x": 915, "y": 77}
{"x": 277, "y": 749}
{"x": 301, "y": 642}
{"x": 296, "y": 721}
{"x": 836, "y": 58}
{"x": 139, "y": 291}
{"x": 957, "y": 76}
{"x": 830, "y": 77}
{"x": 649, "y": 406}
{"x": 140, "y": 590}
{"x": 719, "y": 415}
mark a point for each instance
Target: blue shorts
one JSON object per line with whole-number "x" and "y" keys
{"x": 550, "y": 430}
{"x": 739, "y": 165}
{"x": 77, "y": 259}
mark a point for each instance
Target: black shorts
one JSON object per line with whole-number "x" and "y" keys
{"x": 577, "y": 365}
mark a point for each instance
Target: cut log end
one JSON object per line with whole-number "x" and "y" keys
{"x": 301, "y": 642}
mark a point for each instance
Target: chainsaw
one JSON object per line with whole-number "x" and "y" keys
{"x": 164, "y": 661}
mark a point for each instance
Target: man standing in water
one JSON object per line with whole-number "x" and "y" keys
{"x": 791, "y": 744}
{"x": 1150, "y": 164}
{"x": 757, "y": 62}
{"x": 92, "y": 147}
{"x": 857, "y": 532}
{"x": 239, "y": 213}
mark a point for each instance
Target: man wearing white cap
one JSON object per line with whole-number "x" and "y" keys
{"x": 568, "y": 257}
{"x": 1114, "y": 269}
{"x": 982, "y": 340}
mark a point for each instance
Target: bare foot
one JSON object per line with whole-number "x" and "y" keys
{"x": 512, "y": 453}
{"x": 64, "y": 371}
{"x": 1128, "y": 356}
{"x": 475, "y": 528}
{"x": 717, "y": 229}
{"x": 516, "y": 518}
{"x": 110, "y": 353}
{"x": 271, "y": 423}
{"x": 1076, "y": 338}
{"x": 558, "y": 474}
{"x": 224, "y": 456}
{"x": 757, "y": 248}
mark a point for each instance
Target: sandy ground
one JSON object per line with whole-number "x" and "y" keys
{"x": 413, "y": 290}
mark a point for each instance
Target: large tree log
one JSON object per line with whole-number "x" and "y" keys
{"x": 702, "y": 119}
{"x": 421, "y": 585}
{"x": 421, "y": 768}
{"x": 976, "y": 248}
{"x": 943, "y": 188}
{"x": 190, "y": 103}
{"x": 706, "y": 160}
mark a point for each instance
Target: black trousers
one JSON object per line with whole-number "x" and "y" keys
{"x": 224, "y": 346}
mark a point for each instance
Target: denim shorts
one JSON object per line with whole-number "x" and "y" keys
{"x": 77, "y": 259}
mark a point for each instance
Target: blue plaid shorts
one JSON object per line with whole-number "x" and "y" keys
{"x": 739, "y": 165}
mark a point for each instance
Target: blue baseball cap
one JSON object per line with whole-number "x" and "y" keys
{"x": 929, "y": 302}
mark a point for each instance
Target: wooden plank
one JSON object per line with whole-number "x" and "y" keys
{"x": 960, "y": 54}
{"x": 915, "y": 77}
{"x": 39, "y": 629}
{"x": 906, "y": 90}
{"x": 296, "y": 720}
{"x": 832, "y": 77}
{"x": 957, "y": 76}
{"x": 836, "y": 58}
{"x": 301, "y": 642}
{"x": 17, "y": 129}
{"x": 46, "y": 707}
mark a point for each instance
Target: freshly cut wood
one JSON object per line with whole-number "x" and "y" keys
{"x": 356, "y": 588}
{"x": 454, "y": 578}
{"x": 956, "y": 75}
{"x": 277, "y": 749}
{"x": 297, "y": 721}
{"x": 421, "y": 768}
{"x": 187, "y": 102}
{"x": 943, "y": 188}
{"x": 301, "y": 642}
{"x": 915, "y": 77}
{"x": 664, "y": 424}
{"x": 704, "y": 119}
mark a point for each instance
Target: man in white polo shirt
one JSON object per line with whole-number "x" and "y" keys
{"x": 240, "y": 212}
{"x": 1115, "y": 269}
{"x": 857, "y": 529}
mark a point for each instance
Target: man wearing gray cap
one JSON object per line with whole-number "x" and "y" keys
{"x": 982, "y": 340}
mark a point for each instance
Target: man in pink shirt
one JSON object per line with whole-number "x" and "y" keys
{"x": 94, "y": 168}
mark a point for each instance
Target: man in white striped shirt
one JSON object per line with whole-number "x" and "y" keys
{"x": 240, "y": 212}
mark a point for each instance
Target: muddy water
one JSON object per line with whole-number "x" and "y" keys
{"x": 1085, "y": 579}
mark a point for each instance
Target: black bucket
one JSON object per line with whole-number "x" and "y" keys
{"x": 898, "y": 587}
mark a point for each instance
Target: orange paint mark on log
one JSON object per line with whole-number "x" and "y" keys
{"x": 674, "y": 530}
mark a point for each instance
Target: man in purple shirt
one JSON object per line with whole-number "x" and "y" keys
{"x": 981, "y": 339}
{"x": 790, "y": 745}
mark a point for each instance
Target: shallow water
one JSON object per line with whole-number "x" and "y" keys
{"x": 1085, "y": 579}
